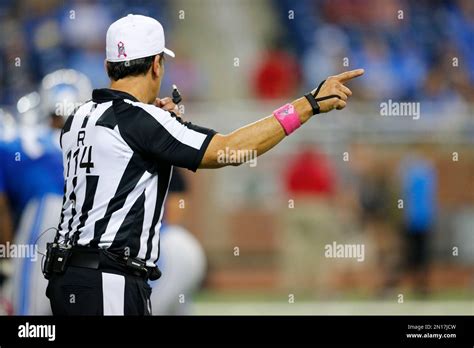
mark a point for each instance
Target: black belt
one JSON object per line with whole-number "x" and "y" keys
{"x": 102, "y": 259}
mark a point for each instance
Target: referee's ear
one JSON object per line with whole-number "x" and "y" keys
{"x": 158, "y": 65}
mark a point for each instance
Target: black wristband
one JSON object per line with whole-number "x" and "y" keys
{"x": 312, "y": 99}
{"x": 313, "y": 102}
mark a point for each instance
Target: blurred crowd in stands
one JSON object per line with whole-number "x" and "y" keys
{"x": 411, "y": 50}
{"x": 49, "y": 35}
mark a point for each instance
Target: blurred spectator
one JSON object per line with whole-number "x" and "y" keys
{"x": 310, "y": 222}
{"x": 419, "y": 191}
{"x": 15, "y": 73}
{"x": 383, "y": 78}
{"x": 460, "y": 26}
{"x": 322, "y": 60}
{"x": 44, "y": 38}
{"x": 375, "y": 202}
{"x": 277, "y": 75}
{"x": 310, "y": 173}
{"x": 84, "y": 33}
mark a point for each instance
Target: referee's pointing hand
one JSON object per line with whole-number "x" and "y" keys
{"x": 334, "y": 85}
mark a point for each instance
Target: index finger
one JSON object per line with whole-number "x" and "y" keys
{"x": 348, "y": 75}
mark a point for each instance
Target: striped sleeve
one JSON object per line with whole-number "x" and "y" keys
{"x": 156, "y": 133}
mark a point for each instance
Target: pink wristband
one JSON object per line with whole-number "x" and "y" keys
{"x": 288, "y": 118}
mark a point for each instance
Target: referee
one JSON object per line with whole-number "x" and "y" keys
{"x": 119, "y": 150}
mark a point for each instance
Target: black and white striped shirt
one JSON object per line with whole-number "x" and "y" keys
{"x": 118, "y": 156}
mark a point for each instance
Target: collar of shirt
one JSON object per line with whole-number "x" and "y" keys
{"x": 106, "y": 94}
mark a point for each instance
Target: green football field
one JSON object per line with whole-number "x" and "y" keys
{"x": 445, "y": 303}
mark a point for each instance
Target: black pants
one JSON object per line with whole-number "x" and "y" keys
{"x": 108, "y": 290}
{"x": 417, "y": 249}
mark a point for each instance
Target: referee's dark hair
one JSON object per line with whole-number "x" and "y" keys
{"x": 135, "y": 67}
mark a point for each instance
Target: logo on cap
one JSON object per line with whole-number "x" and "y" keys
{"x": 121, "y": 50}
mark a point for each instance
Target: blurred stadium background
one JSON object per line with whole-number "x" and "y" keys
{"x": 339, "y": 179}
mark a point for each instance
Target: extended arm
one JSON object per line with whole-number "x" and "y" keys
{"x": 264, "y": 134}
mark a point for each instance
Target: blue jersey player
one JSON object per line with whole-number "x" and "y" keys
{"x": 31, "y": 179}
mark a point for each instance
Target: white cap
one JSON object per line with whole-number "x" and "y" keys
{"x": 133, "y": 37}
